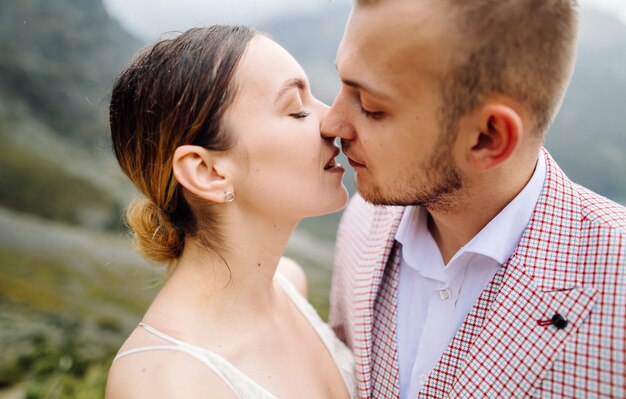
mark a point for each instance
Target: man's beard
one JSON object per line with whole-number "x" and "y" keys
{"x": 442, "y": 183}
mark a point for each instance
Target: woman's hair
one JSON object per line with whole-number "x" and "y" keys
{"x": 173, "y": 93}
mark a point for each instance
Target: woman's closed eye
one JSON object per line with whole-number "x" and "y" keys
{"x": 300, "y": 115}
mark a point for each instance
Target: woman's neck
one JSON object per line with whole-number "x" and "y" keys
{"x": 235, "y": 283}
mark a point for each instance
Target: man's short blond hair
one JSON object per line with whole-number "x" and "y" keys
{"x": 521, "y": 49}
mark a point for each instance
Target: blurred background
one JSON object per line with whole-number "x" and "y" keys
{"x": 71, "y": 286}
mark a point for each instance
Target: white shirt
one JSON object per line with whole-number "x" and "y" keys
{"x": 434, "y": 298}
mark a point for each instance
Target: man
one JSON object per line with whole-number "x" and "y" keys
{"x": 487, "y": 273}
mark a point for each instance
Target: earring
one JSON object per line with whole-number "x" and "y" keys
{"x": 229, "y": 197}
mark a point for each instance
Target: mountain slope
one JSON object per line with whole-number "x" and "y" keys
{"x": 60, "y": 57}
{"x": 57, "y": 63}
{"x": 588, "y": 138}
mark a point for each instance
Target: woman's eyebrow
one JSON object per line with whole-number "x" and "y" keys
{"x": 295, "y": 83}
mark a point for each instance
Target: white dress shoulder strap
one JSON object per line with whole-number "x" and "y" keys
{"x": 340, "y": 353}
{"x": 238, "y": 382}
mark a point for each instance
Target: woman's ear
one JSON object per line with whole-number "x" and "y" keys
{"x": 497, "y": 134}
{"x": 202, "y": 172}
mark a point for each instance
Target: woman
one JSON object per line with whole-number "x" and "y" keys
{"x": 218, "y": 130}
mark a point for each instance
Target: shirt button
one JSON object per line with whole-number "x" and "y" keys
{"x": 422, "y": 378}
{"x": 444, "y": 294}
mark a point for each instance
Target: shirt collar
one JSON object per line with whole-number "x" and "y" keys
{"x": 419, "y": 249}
{"x": 497, "y": 240}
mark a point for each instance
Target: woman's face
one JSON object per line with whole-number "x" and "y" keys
{"x": 287, "y": 168}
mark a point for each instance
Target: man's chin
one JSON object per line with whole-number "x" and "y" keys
{"x": 373, "y": 194}
{"x": 377, "y": 195}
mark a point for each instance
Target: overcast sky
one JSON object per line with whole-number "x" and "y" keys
{"x": 149, "y": 18}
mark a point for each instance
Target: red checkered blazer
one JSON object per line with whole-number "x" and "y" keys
{"x": 571, "y": 260}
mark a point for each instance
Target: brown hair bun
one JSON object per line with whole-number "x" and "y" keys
{"x": 155, "y": 236}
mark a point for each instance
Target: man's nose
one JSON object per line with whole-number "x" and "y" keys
{"x": 336, "y": 124}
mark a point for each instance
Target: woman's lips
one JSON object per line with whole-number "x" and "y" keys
{"x": 333, "y": 166}
{"x": 337, "y": 168}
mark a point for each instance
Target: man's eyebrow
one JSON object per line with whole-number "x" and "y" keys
{"x": 362, "y": 87}
{"x": 295, "y": 83}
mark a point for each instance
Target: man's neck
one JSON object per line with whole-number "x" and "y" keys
{"x": 454, "y": 227}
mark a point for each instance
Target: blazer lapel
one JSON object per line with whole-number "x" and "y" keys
{"x": 517, "y": 341}
{"x": 374, "y": 259}
{"x": 443, "y": 376}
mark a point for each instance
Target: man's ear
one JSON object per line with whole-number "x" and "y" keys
{"x": 202, "y": 172}
{"x": 498, "y": 131}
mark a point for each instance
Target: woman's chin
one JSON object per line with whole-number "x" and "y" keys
{"x": 335, "y": 204}
{"x": 345, "y": 197}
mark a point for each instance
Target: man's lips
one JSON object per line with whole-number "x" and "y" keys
{"x": 354, "y": 163}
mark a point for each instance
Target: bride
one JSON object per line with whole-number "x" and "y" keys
{"x": 218, "y": 130}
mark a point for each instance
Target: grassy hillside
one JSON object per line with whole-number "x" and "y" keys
{"x": 68, "y": 298}
{"x": 69, "y": 198}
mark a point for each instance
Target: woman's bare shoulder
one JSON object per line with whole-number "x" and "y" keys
{"x": 164, "y": 374}
{"x": 290, "y": 269}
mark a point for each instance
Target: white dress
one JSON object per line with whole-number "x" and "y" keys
{"x": 240, "y": 383}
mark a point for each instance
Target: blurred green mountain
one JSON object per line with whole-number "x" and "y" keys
{"x": 57, "y": 62}
{"x": 68, "y": 298}
{"x": 588, "y": 138}
{"x": 71, "y": 287}
{"x": 59, "y": 57}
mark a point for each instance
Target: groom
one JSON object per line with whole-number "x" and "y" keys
{"x": 486, "y": 272}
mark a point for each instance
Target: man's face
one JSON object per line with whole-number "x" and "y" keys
{"x": 387, "y": 113}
